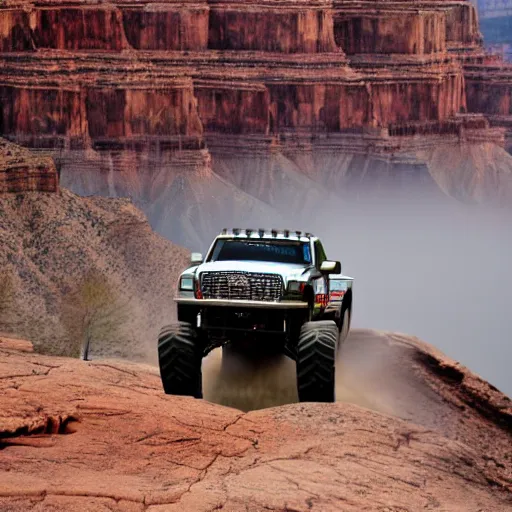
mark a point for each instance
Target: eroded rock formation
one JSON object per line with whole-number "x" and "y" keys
{"x": 489, "y": 90}
{"x": 251, "y": 68}
{"x": 113, "y": 441}
{"x": 278, "y": 86}
{"x": 23, "y": 171}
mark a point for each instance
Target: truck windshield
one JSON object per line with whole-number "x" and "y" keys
{"x": 285, "y": 251}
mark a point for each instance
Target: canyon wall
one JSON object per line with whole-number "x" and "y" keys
{"x": 302, "y": 26}
{"x": 363, "y": 30}
{"x": 169, "y": 99}
{"x": 489, "y": 90}
{"x": 240, "y": 67}
{"x": 97, "y": 26}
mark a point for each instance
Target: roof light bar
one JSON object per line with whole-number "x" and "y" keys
{"x": 262, "y": 232}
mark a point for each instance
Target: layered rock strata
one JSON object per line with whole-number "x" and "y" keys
{"x": 97, "y": 26}
{"x": 22, "y": 171}
{"x": 258, "y": 95}
{"x": 489, "y": 89}
{"x": 252, "y": 68}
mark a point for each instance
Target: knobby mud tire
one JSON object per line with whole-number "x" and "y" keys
{"x": 180, "y": 358}
{"x": 316, "y": 361}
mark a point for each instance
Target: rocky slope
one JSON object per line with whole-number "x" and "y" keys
{"x": 184, "y": 199}
{"x": 52, "y": 240}
{"x": 298, "y": 185}
{"x": 103, "y": 436}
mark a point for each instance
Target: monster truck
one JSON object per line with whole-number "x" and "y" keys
{"x": 273, "y": 288}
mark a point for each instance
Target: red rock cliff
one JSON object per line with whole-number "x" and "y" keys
{"x": 305, "y": 83}
{"x": 304, "y": 26}
{"x": 367, "y": 30}
{"x": 255, "y": 68}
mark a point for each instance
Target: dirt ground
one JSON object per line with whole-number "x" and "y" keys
{"x": 102, "y": 436}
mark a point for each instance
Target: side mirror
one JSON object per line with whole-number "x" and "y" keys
{"x": 330, "y": 267}
{"x": 196, "y": 258}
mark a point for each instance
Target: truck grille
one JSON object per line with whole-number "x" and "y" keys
{"x": 241, "y": 286}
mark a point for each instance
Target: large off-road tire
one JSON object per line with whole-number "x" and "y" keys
{"x": 316, "y": 361}
{"x": 180, "y": 356}
{"x": 344, "y": 324}
{"x": 295, "y": 321}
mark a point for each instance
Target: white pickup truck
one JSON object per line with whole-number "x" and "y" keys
{"x": 273, "y": 288}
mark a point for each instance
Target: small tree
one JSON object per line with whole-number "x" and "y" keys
{"x": 7, "y": 301}
{"x": 93, "y": 313}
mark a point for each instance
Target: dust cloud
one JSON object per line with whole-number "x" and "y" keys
{"x": 439, "y": 270}
{"x": 423, "y": 265}
{"x": 258, "y": 381}
{"x": 248, "y": 382}
{"x": 373, "y": 370}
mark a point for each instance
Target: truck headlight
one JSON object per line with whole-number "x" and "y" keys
{"x": 187, "y": 283}
{"x": 295, "y": 287}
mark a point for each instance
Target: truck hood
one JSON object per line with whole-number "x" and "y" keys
{"x": 288, "y": 271}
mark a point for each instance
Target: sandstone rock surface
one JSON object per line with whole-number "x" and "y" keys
{"x": 102, "y": 436}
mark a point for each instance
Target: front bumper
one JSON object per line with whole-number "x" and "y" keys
{"x": 204, "y": 303}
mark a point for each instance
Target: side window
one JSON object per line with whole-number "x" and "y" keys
{"x": 319, "y": 254}
{"x": 306, "y": 252}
